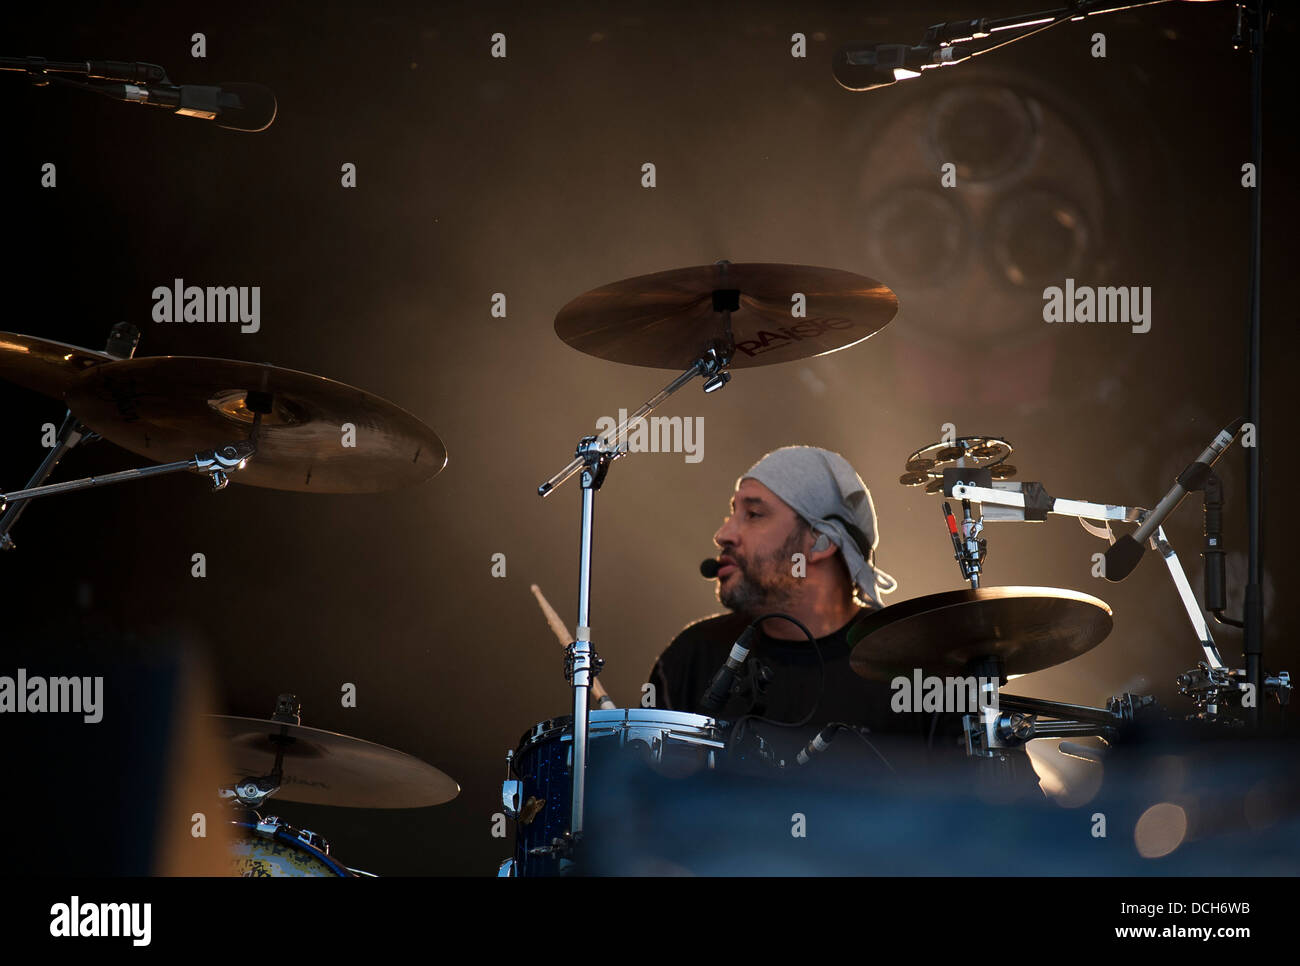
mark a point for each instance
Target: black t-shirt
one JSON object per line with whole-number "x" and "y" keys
{"x": 795, "y": 691}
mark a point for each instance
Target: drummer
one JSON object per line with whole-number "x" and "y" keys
{"x": 800, "y": 539}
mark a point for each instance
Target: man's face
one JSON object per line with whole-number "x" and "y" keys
{"x": 757, "y": 541}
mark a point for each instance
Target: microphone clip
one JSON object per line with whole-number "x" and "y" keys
{"x": 753, "y": 684}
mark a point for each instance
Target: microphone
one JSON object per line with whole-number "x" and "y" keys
{"x": 857, "y": 67}
{"x": 709, "y": 568}
{"x": 720, "y": 687}
{"x": 1126, "y": 552}
{"x": 820, "y": 742}
{"x": 234, "y": 105}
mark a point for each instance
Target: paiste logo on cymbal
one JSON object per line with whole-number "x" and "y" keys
{"x": 774, "y": 339}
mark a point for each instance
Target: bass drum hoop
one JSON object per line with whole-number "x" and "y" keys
{"x": 288, "y": 835}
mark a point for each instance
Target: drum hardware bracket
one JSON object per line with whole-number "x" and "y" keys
{"x": 711, "y": 364}
{"x": 589, "y": 661}
{"x": 512, "y": 791}
{"x": 969, "y": 548}
{"x": 716, "y": 382}
{"x": 251, "y": 792}
{"x": 1209, "y": 688}
{"x": 990, "y": 734}
{"x": 217, "y": 463}
{"x": 561, "y": 847}
{"x": 288, "y": 709}
{"x": 1011, "y": 501}
{"x": 753, "y": 683}
{"x": 273, "y": 826}
{"x": 596, "y": 457}
{"x": 1018, "y": 719}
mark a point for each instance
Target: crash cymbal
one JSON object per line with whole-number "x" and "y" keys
{"x": 169, "y": 407}
{"x": 44, "y": 366}
{"x": 325, "y": 768}
{"x": 1028, "y": 628}
{"x": 667, "y": 320}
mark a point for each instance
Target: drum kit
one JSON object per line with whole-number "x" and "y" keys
{"x": 283, "y": 429}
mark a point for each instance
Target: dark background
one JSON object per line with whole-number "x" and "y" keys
{"x": 479, "y": 175}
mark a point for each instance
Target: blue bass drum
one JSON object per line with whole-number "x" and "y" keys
{"x": 673, "y": 743}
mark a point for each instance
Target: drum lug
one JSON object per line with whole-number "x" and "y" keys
{"x": 512, "y": 792}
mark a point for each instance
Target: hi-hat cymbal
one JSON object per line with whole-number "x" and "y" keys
{"x": 667, "y": 320}
{"x": 1027, "y": 628}
{"x": 325, "y": 768}
{"x": 44, "y": 366}
{"x": 168, "y": 408}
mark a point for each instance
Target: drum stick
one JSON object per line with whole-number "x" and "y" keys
{"x": 562, "y": 633}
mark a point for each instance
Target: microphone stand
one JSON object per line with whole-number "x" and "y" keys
{"x": 1252, "y": 20}
{"x": 963, "y": 31}
{"x": 886, "y": 64}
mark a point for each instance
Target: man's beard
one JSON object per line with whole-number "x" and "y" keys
{"x": 764, "y": 584}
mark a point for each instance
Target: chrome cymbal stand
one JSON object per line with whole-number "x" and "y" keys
{"x": 217, "y": 463}
{"x": 593, "y": 458}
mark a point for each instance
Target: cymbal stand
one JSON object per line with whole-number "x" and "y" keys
{"x": 1006, "y": 501}
{"x": 122, "y": 341}
{"x": 252, "y": 791}
{"x": 593, "y": 458}
{"x": 217, "y": 463}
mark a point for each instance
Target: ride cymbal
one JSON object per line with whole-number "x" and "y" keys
{"x": 669, "y": 319}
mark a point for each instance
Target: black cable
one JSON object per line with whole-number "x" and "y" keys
{"x": 861, "y": 732}
{"x": 1038, "y": 30}
{"x": 1222, "y": 619}
{"x": 738, "y": 727}
{"x": 94, "y": 88}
